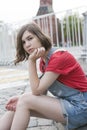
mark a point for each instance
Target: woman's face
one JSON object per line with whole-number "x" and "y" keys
{"x": 30, "y": 42}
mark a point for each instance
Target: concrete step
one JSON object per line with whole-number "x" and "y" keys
{"x": 61, "y": 127}
{"x": 82, "y": 128}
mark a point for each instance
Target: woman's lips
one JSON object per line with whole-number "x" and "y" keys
{"x": 30, "y": 50}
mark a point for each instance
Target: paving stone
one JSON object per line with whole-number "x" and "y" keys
{"x": 33, "y": 123}
{"x": 49, "y": 128}
{"x": 34, "y": 128}
{"x": 43, "y": 128}
{"x": 59, "y": 126}
{"x": 82, "y": 128}
{"x": 42, "y": 122}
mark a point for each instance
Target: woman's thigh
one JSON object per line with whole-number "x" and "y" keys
{"x": 44, "y": 106}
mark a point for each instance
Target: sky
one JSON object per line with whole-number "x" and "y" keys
{"x": 13, "y": 11}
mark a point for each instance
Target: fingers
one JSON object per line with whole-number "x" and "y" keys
{"x": 40, "y": 52}
{"x": 11, "y": 104}
{"x": 11, "y": 107}
{"x": 12, "y": 100}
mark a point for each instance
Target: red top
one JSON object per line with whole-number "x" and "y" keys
{"x": 71, "y": 73}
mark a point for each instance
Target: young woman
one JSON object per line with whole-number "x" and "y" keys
{"x": 62, "y": 76}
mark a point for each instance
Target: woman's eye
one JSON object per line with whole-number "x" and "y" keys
{"x": 30, "y": 38}
{"x": 23, "y": 42}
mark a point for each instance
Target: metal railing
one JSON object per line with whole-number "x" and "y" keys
{"x": 64, "y": 28}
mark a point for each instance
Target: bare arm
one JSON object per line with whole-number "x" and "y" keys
{"x": 39, "y": 86}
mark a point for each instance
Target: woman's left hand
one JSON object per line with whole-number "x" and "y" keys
{"x": 39, "y": 52}
{"x": 12, "y": 102}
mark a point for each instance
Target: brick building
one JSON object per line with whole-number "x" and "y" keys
{"x": 45, "y": 7}
{"x": 48, "y": 23}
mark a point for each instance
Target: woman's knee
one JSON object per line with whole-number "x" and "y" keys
{"x": 26, "y": 100}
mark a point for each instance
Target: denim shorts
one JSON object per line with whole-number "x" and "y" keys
{"x": 74, "y": 104}
{"x": 75, "y": 110}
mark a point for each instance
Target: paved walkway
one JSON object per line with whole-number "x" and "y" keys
{"x": 10, "y": 77}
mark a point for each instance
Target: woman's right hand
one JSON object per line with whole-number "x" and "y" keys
{"x": 37, "y": 53}
{"x": 12, "y": 103}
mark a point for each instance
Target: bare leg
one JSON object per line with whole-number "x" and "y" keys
{"x": 6, "y": 120}
{"x": 47, "y": 107}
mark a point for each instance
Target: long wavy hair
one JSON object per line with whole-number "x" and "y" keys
{"x": 33, "y": 28}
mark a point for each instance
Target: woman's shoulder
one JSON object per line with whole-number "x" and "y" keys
{"x": 59, "y": 52}
{"x": 55, "y": 50}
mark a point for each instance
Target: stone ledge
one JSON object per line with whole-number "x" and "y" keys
{"x": 82, "y": 128}
{"x": 61, "y": 127}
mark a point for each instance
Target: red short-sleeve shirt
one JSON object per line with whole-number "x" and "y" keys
{"x": 71, "y": 73}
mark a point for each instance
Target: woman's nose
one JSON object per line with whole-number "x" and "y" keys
{"x": 27, "y": 44}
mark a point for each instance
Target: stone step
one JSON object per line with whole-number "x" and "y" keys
{"x": 82, "y": 128}
{"x": 61, "y": 127}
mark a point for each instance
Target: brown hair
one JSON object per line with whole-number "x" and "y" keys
{"x": 34, "y": 29}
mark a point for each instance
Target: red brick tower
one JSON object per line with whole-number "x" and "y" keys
{"x": 48, "y": 26}
{"x": 45, "y": 7}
